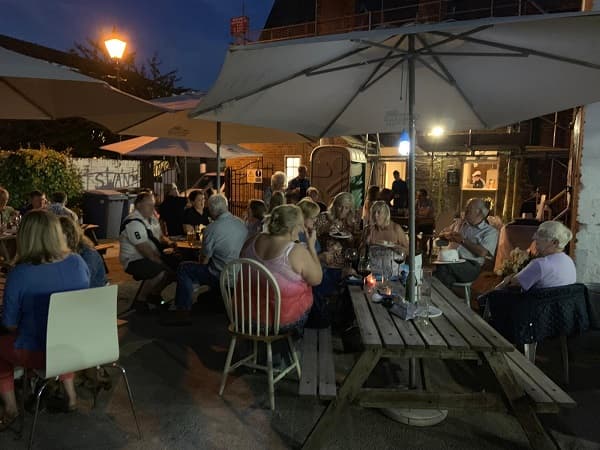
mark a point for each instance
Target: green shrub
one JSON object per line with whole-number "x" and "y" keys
{"x": 46, "y": 170}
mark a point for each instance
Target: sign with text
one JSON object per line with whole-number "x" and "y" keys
{"x": 239, "y": 25}
{"x": 108, "y": 173}
{"x": 254, "y": 176}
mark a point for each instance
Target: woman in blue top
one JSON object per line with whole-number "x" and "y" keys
{"x": 79, "y": 243}
{"x": 44, "y": 265}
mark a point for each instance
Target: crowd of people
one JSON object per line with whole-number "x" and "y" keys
{"x": 309, "y": 248}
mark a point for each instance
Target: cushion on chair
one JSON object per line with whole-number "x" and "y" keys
{"x": 527, "y": 317}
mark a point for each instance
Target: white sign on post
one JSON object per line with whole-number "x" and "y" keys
{"x": 254, "y": 176}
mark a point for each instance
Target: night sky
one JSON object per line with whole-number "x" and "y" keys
{"x": 189, "y": 35}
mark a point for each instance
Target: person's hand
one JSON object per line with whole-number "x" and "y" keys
{"x": 311, "y": 238}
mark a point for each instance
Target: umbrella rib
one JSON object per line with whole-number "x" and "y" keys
{"x": 443, "y": 41}
{"x": 278, "y": 82}
{"x": 511, "y": 55}
{"x": 529, "y": 51}
{"x": 362, "y": 87}
{"x": 26, "y": 97}
{"x": 452, "y": 80}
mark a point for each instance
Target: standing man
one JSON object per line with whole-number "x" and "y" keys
{"x": 222, "y": 243}
{"x": 300, "y": 184}
{"x": 171, "y": 211}
{"x": 474, "y": 238}
{"x": 400, "y": 191}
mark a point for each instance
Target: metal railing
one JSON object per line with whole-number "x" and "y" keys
{"x": 419, "y": 12}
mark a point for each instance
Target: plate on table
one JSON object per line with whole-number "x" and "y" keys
{"x": 449, "y": 262}
{"x": 386, "y": 244}
{"x": 340, "y": 235}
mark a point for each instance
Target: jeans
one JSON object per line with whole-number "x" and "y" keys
{"x": 188, "y": 274}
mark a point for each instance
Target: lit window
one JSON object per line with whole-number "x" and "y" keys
{"x": 291, "y": 166}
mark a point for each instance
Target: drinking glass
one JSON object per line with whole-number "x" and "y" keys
{"x": 351, "y": 257}
{"x": 425, "y": 290}
{"x": 399, "y": 258}
{"x": 364, "y": 266}
{"x": 190, "y": 238}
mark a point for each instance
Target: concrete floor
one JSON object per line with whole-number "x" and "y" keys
{"x": 175, "y": 374}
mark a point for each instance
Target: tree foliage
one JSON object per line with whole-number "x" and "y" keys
{"x": 45, "y": 169}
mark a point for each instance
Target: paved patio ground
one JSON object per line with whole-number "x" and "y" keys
{"x": 175, "y": 374}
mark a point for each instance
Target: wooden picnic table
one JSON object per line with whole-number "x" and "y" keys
{"x": 459, "y": 334}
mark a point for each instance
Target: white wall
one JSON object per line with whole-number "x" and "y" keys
{"x": 97, "y": 173}
{"x": 587, "y": 250}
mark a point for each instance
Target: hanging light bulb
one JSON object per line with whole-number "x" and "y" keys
{"x": 404, "y": 144}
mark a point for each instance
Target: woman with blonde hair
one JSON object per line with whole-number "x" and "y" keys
{"x": 278, "y": 184}
{"x": 335, "y": 228}
{"x": 295, "y": 266}
{"x": 44, "y": 265}
{"x": 382, "y": 230}
{"x": 80, "y": 244}
{"x": 310, "y": 210}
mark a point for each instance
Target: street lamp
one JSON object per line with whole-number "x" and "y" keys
{"x": 404, "y": 144}
{"x": 116, "y": 48}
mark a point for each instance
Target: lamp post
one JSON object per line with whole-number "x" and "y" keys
{"x": 116, "y": 48}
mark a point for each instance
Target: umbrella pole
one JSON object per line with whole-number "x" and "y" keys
{"x": 185, "y": 179}
{"x": 218, "y": 157}
{"x": 411, "y": 284}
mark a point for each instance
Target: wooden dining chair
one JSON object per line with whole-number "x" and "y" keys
{"x": 253, "y": 304}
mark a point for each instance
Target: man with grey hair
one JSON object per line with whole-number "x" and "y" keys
{"x": 278, "y": 183}
{"x": 474, "y": 238}
{"x": 222, "y": 243}
{"x": 551, "y": 267}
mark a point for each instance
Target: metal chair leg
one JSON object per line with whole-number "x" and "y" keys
{"x": 130, "y": 394}
{"x": 227, "y": 363}
{"x": 295, "y": 357}
{"x": 270, "y": 375}
{"x": 37, "y": 409}
{"x": 564, "y": 351}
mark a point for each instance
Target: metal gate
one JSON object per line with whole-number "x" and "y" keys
{"x": 238, "y": 188}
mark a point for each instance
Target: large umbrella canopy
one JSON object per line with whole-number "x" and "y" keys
{"x": 176, "y": 124}
{"x": 460, "y": 75}
{"x": 35, "y": 89}
{"x": 152, "y": 146}
{"x": 468, "y": 75}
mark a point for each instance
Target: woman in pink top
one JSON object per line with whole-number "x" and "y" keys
{"x": 296, "y": 268}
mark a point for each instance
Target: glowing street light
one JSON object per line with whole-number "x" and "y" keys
{"x": 437, "y": 131}
{"x": 404, "y": 144}
{"x": 115, "y": 46}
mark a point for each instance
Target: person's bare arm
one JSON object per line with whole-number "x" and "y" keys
{"x": 306, "y": 262}
{"x": 147, "y": 250}
{"x": 476, "y": 249}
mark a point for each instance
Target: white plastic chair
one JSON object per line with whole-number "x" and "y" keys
{"x": 253, "y": 302}
{"x": 82, "y": 333}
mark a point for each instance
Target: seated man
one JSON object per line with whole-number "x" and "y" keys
{"x": 37, "y": 200}
{"x": 141, "y": 250}
{"x": 474, "y": 239}
{"x": 223, "y": 240}
{"x": 171, "y": 211}
{"x": 58, "y": 202}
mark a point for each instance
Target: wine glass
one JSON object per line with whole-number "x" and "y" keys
{"x": 364, "y": 266}
{"x": 351, "y": 257}
{"x": 399, "y": 258}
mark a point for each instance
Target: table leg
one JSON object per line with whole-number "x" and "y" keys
{"x": 519, "y": 403}
{"x": 348, "y": 391}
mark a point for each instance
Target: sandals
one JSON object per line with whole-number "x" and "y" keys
{"x": 6, "y": 421}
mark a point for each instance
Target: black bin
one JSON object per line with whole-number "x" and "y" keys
{"x": 105, "y": 209}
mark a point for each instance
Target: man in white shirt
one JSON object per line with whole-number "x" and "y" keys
{"x": 474, "y": 238}
{"x": 222, "y": 243}
{"x": 141, "y": 250}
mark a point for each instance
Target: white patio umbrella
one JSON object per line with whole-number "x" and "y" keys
{"x": 152, "y": 146}
{"x": 459, "y": 75}
{"x": 36, "y": 89}
{"x": 176, "y": 124}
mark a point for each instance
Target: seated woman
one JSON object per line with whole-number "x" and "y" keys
{"x": 80, "y": 244}
{"x": 295, "y": 267}
{"x": 44, "y": 265}
{"x": 196, "y": 214}
{"x": 310, "y": 210}
{"x": 335, "y": 228}
{"x": 372, "y": 194}
{"x": 382, "y": 230}
{"x": 7, "y": 213}
{"x": 255, "y": 215}
{"x": 552, "y": 267}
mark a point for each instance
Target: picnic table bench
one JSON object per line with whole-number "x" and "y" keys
{"x": 318, "y": 370}
{"x": 459, "y": 334}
